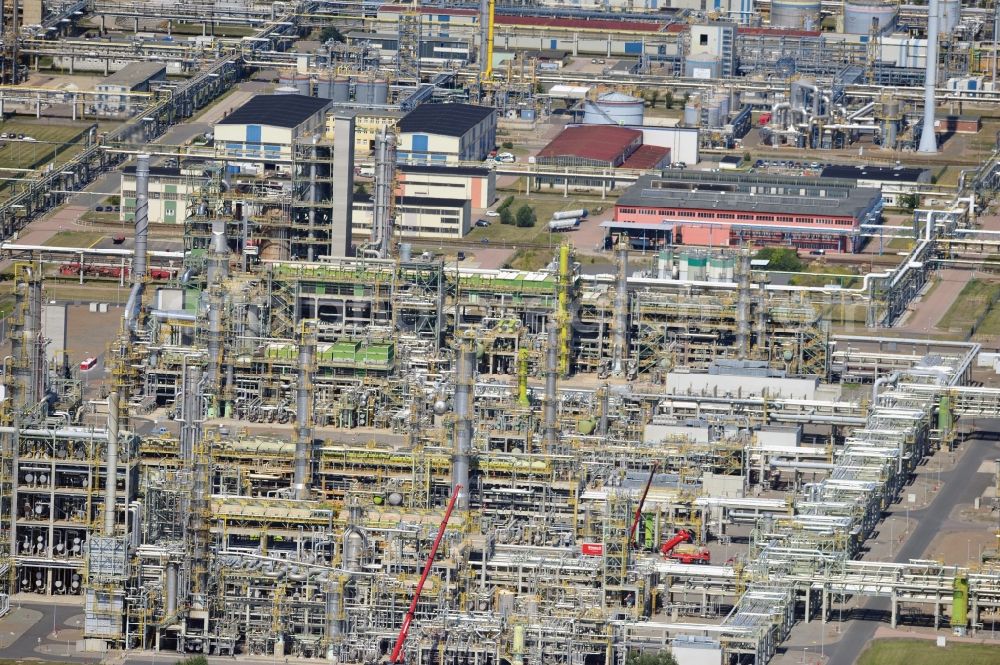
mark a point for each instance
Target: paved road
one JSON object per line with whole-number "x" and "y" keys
{"x": 43, "y": 631}
{"x": 961, "y": 485}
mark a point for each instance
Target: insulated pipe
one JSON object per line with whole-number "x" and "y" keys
{"x": 111, "y": 481}
{"x": 928, "y": 140}
{"x": 303, "y": 439}
{"x": 551, "y": 396}
{"x": 334, "y": 609}
{"x": 604, "y": 396}
{"x": 174, "y": 314}
{"x": 461, "y": 459}
{"x": 385, "y": 167}
{"x": 621, "y": 314}
{"x": 171, "y": 608}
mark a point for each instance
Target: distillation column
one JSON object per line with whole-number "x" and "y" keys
{"x": 462, "y": 458}
{"x": 550, "y": 420}
{"x": 141, "y": 235}
{"x": 621, "y": 315}
{"x": 743, "y": 306}
{"x": 111, "y": 481}
{"x": 218, "y": 271}
{"x": 385, "y": 173}
{"x": 303, "y": 421}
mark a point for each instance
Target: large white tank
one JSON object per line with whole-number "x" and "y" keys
{"x": 800, "y": 14}
{"x": 951, "y": 14}
{"x": 858, "y": 15}
{"x": 614, "y": 108}
{"x": 692, "y": 112}
{"x": 291, "y": 79}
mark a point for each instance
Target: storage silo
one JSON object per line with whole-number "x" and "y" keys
{"x": 858, "y": 15}
{"x": 614, "y": 108}
{"x": 703, "y": 66}
{"x": 713, "y": 114}
{"x": 375, "y": 91}
{"x": 697, "y": 267}
{"x": 324, "y": 87}
{"x": 951, "y": 14}
{"x": 301, "y": 82}
{"x": 692, "y": 112}
{"x": 889, "y": 116}
{"x": 799, "y": 14}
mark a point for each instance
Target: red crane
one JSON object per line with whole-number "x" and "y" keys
{"x": 687, "y": 554}
{"x": 408, "y": 619}
{"x": 638, "y": 510}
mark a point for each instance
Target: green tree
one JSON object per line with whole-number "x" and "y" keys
{"x": 908, "y": 201}
{"x": 747, "y": 157}
{"x": 783, "y": 259}
{"x": 668, "y": 100}
{"x": 654, "y": 96}
{"x": 506, "y": 216}
{"x": 193, "y": 660}
{"x": 526, "y": 216}
{"x": 331, "y": 32}
{"x": 360, "y": 189}
{"x": 646, "y": 658}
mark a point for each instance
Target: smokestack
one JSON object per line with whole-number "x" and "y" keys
{"x": 928, "y": 140}
{"x": 141, "y": 217}
{"x": 110, "y": 486}
{"x": 303, "y": 439}
{"x": 461, "y": 461}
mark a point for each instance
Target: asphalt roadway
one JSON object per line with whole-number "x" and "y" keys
{"x": 960, "y": 485}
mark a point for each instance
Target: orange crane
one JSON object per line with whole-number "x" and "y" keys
{"x": 642, "y": 500}
{"x": 408, "y": 619}
{"x": 691, "y": 554}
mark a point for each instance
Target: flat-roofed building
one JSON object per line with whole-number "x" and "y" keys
{"x": 726, "y": 209}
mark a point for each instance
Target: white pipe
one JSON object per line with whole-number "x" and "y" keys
{"x": 111, "y": 481}
{"x": 16, "y": 247}
{"x": 928, "y": 140}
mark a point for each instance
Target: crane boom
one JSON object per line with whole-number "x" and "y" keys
{"x": 408, "y": 619}
{"x": 642, "y": 501}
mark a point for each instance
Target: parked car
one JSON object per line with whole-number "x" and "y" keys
{"x": 492, "y": 213}
{"x": 506, "y": 158}
{"x": 88, "y": 363}
{"x": 482, "y": 223}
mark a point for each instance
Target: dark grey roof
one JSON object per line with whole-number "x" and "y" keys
{"x": 134, "y": 73}
{"x": 443, "y": 170}
{"x": 731, "y": 159}
{"x": 276, "y": 110}
{"x": 782, "y": 195}
{"x": 445, "y": 119}
{"x": 883, "y": 173}
{"x": 162, "y": 171}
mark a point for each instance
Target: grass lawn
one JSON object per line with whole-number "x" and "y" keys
{"x": 28, "y": 154}
{"x": 974, "y": 299}
{"x": 543, "y": 206}
{"x": 75, "y": 239}
{"x": 925, "y": 652}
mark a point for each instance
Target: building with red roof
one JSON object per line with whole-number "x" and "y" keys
{"x": 604, "y": 146}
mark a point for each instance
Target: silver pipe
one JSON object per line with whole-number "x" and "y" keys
{"x": 550, "y": 420}
{"x": 175, "y": 314}
{"x": 928, "y": 140}
{"x": 110, "y": 485}
{"x": 171, "y": 608}
{"x": 385, "y": 167}
{"x": 603, "y": 396}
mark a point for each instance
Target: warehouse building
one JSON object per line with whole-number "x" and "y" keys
{"x": 447, "y": 133}
{"x": 472, "y": 183}
{"x": 894, "y": 182}
{"x": 135, "y": 77}
{"x": 418, "y": 217}
{"x": 597, "y": 146}
{"x": 368, "y": 124}
{"x": 262, "y": 131}
{"x": 726, "y": 209}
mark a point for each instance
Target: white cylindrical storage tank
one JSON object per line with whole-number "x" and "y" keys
{"x": 951, "y": 14}
{"x": 858, "y": 15}
{"x": 614, "y": 108}
{"x": 286, "y": 90}
{"x": 287, "y": 78}
{"x": 713, "y": 113}
{"x": 692, "y": 113}
{"x": 324, "y": 88}
{"x": 723, "y": 100}
{"x": 703, "y": 67}
{"x": 800, "y": 14}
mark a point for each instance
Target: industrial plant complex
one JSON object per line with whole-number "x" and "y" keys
{"x": 499, "y": 333}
